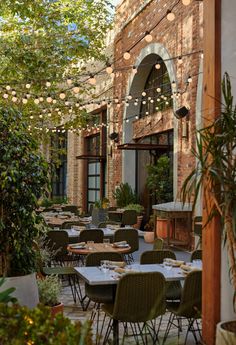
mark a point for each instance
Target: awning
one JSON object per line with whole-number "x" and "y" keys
{"x": 143, "y": 146}
{"x": 92, "y": 157}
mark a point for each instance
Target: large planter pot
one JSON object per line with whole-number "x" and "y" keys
{"x": 149, "y": 236}
{"x": 226, "y": 333}
{"x": 57, "y": 309}
{"x": 26, "y": 289}
{"x": 99, "y": 215}
{"x": 162, "y": 228}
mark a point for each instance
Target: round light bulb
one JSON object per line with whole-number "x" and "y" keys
{"x": 5, "y": 95}
{"x": 186, "y": 2}
{"x": 173, "y": 83}
{"x": 62, "y": 95}
{"x": 92, "y": 80}
{"x": 76, "y": 89}
{"x": 77, "y": 105}
{"x": 54, "y": 101}
{"x": 134, "y": 70}
{"x": 14, "y": 99}
{"x": 170, "y": 16}
{"x": 158, "y": 89}
{"x": 48, "y": 83}
{"x": 109, "y": 69}
{"x": 144, "y": 102}
{"x": 129, "y": 96}
{"x": 24, "y": 100}
{"x": 31, "y": 117}
{"x": 41, "y": 99}
{"x": 135, "y": 103}
{"x": 28, "y": 95}
{"x": 157, "y": 66}
{"x": 144, "y": 93}
{"x": 28, "y": 86}
{"x": 70, "y": 111}
{"x": 151, "y": 101}
{"x": 127, "y": 55}
{"x": 40, "y": 116}
{"x": 13, "y": 92}
{"x": 127, "y": 120}
{"x": 49, "y": 99}
{"x": 36, "y": 101}
{"x": 136, "y": 117}
{"x": 190, "y": 79}
{"x": 67, "y": 102}
{"x": 69, "y": 81}
{"x": 148, "y": 37}
{"x": 8, "y": 87}
{"x": 116, "y": 100}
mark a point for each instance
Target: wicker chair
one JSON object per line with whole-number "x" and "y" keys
{"x": 95, "y": 235}
{"x": 189, "y": 306}
{"x": 131, "y": 236}
{"x": 173, "y": 289}
{"x": 129, "y": 217}
{"x": 140, "y": 298}
{"x": 158, "y": 244}
{"x": 196, "y": 255}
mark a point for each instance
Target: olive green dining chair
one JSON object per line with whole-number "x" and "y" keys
{"x": 131, "y": 236}
{"x": 189, "y": 307}
{"x": 173, "y": 289}
{"x": 139, "y": 300}
{"x": 196, "y": 255}
{"x": 95, "y": 235}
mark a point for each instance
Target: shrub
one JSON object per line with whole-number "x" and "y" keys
{"x": 136, "y": 207}
{"x": 124, "y": 195}
{"x": 49, "y": 290}
{"x": 20, "y": 325}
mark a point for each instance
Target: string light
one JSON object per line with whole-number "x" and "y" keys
{"x": 186, "y": 2}
{"x": 48, "y": 83}
{"x": 158, "y": 89}
{"x": 69, "y": 81}
{"x": 170, "y": 15}
{"x": 136, "y": 117}
{"x": 36, "y": 100}
{"x": 13, "y": 92}
{"x": 76, "y": 88}
{"x": 24, "y": 100}
{"x": 62, "y": 95}
{"x": 190, "y": 79}
{"x": 109, "y": 69}
{"x": 134, "y": 69}
{"x": 14, "y": 99}
{"x": 144, "y": 94}
{"x": 129, "y": 97}
{"x": 41, "y": 99}
{"x": 28, "y": 85}
{"x": 92, "y": 80}
{"x": 49, "y": 99}
{"x": 157, "y": 66}
{"x": 5, "y": 95}
{"x": 8, "y": 88}
{"x": 127, "y": 55}
{"x": 148, "y": 37}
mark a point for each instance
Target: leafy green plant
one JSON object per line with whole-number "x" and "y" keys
{"x": 5, "y": 295}
{"x": 124, "y": 195}
{"x": 160, "y": 180}
{"x": 103, "y": 203}
{"x": 20, "y": 325}
{"x": 49, "y": 290}
{"x": 47, "y": 202}
{"x": 215, "y": 173}
{"x": 23, "y": 180}
{"x": 136, "y": 207}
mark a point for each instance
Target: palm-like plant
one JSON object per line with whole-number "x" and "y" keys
{"x": 215, "y": 173}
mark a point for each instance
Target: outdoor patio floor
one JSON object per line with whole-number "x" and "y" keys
{"x": 75, "y": 312}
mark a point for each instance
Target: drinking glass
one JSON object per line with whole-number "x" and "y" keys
{"x": 104, "y": 265}
{"x": 90, "y": 245}
{"x": 167, "y": 265}
{"x": 106, "y": 242}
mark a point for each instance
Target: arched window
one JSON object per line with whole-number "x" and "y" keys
{"x": 157, "y": 89}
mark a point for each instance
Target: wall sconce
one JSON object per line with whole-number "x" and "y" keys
{"x": 181, "y": 112}
{"x": 114, "y": 136}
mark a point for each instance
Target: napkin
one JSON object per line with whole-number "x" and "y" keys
{"x": 117, "y": 263}
{"x": 188, "y": 269}
{"x": 123, "y": 270}
{"x": 175, "y": 263}
{"x": 79, "y": 244}
{"x": 121, "y": 243}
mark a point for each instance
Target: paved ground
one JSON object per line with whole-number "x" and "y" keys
{"x": 75, "y": 312}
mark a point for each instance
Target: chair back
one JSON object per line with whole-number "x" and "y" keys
{"x": 191, "y": 298}
{"x": 129, "y": 217}
{"x": 108, "y": 222}
{"x": 70, "y": 208}
{"x": 58, "y": 240}
{"x": 156, "y": 256}
{"x": 130, "y": 235}
{"x": 94, "y": 259}
{"x": 158, "y": 244}
{"x": 95, "y": 235}
{"x": 140, "y": 297}
{"x": 196, "y": 255}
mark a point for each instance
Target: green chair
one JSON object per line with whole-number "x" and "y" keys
{"x": 173, "y": 289}
{"x": 57, "y": 241}
{"x": 129, "y": 217}
{"x": 158, "y": 244}
{"x": 71, "y": 208}
{"x": 189, "y": 306}
{"x": 131, "y": 236}
{"x": 139, "y": 300}
{"x": 196, "y": 255}
{"x": 95, "y": 235}
{"x": 99, "y": 293}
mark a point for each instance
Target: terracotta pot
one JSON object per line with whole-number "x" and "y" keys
{"x": 149, "y": 236}
{"x": 56, "y": 309}
{"x": 139, "y": 222}
{"x": 161, "y": 228}
{"x": 226, "y": 333}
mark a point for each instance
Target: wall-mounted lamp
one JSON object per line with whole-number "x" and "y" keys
{"x": 181, "y": 112}
{"x": 114, "y": 136}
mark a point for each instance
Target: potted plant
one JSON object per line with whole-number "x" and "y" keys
{"x": 160, "y": 184}
{"x": 23, "y": 180}
{"x": 49, "y": 293}
{"x": 124, "y": 195}
{"x": 215, "y": 172}
{"x": 20, "y": 325}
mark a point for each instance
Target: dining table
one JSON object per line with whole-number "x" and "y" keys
{"x": 97, "y": 247}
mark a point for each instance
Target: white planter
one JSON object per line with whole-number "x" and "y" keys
{"x": 26, "y": 289}
{"x": 223, "y": 336}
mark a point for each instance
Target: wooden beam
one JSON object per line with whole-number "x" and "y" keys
{"x": 211, "y": 234}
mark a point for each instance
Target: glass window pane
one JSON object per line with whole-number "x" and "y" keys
{"x": 91, "y": 182}
{"x": 92, "y": 168}
{"x": 91, "y": 195}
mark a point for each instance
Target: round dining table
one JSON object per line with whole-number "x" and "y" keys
{"x": 98, "y": 247}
